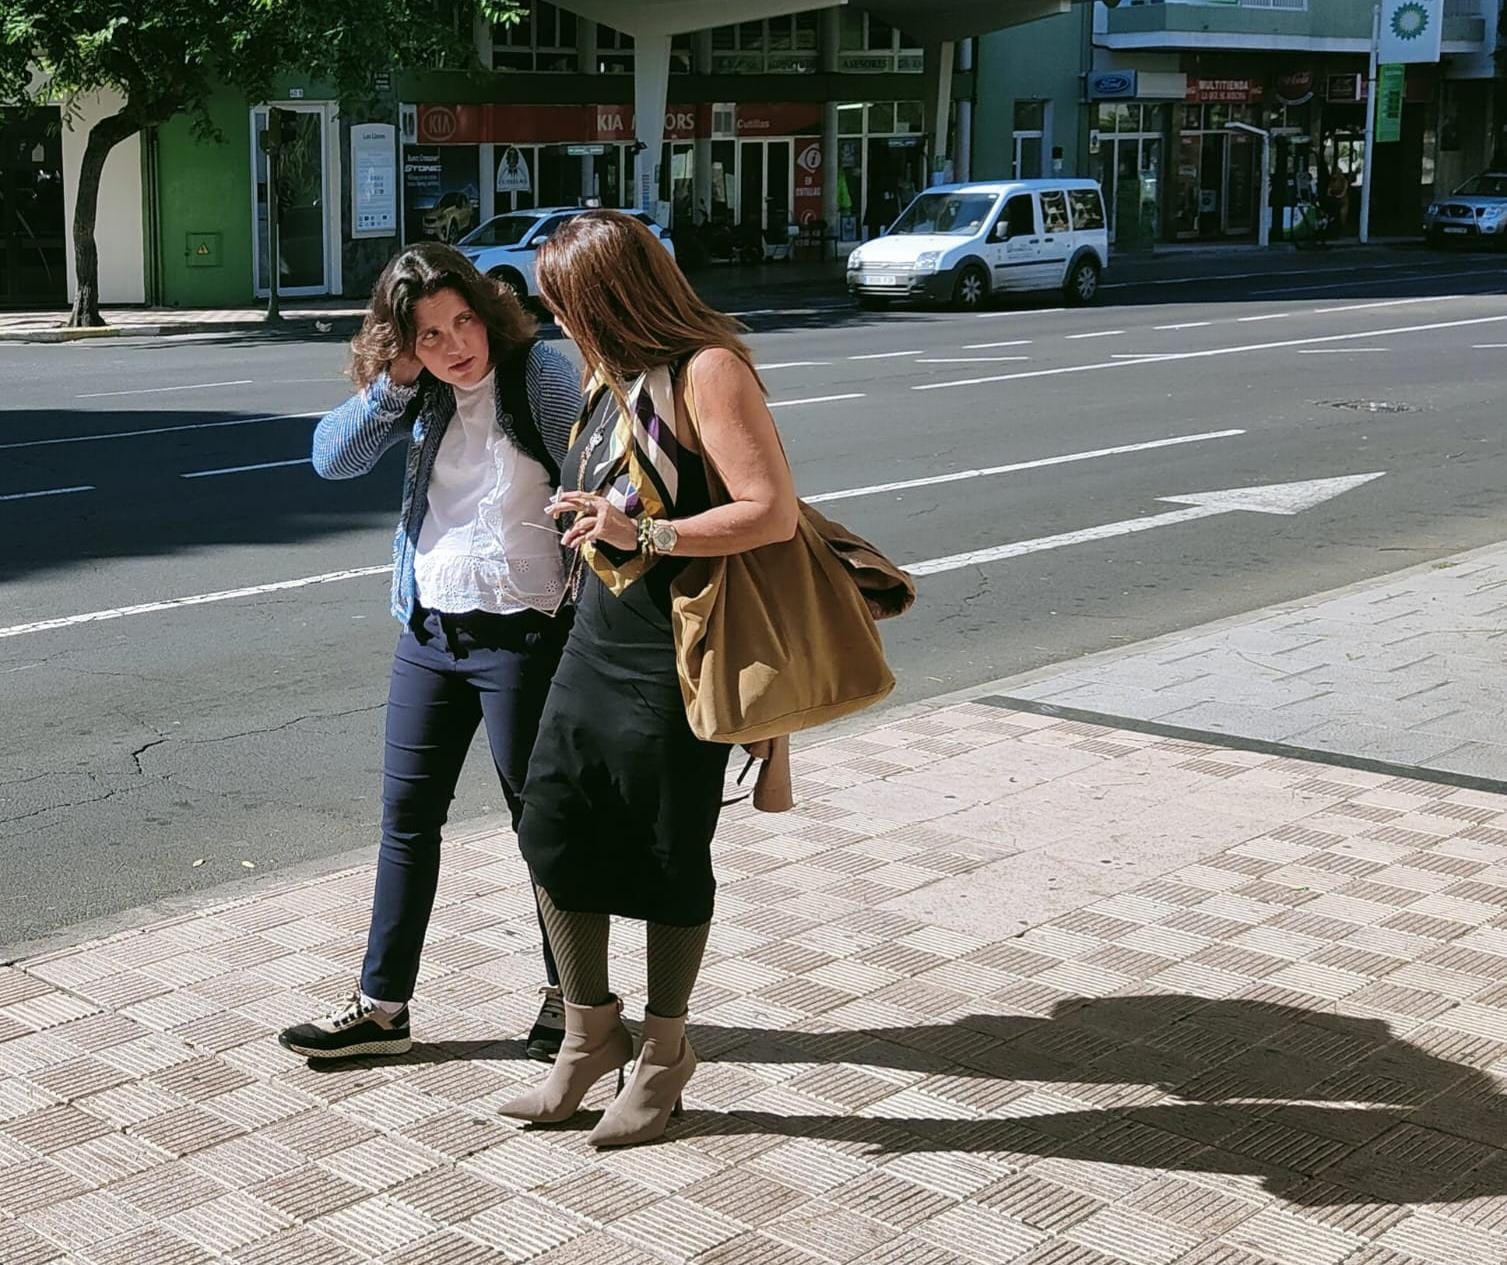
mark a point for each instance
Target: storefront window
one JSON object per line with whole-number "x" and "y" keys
{"x": 879, "y": 165}
{"x": 32, "y": 225}
{"x": 724, "y": 159}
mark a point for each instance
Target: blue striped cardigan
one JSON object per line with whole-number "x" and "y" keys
{"x": 350, "y": 440}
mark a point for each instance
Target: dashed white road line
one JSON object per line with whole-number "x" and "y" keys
{"x": 1098, "y": 333}
{"x": 332, "y": 577}
{"x": 1014, "y": 342}
{"x": 262, "y": 465}
{"x": 796, "y": 364}
{"x": 161, "y": 430}
{"x": 1208, "y": 353}
{"x": 1269, "y": 316}
{"x": 1489, "y": 347}
{"x": 193, "y": 386}
{"x": 198, "y": 599}
{"x": 885, "y": 355}
{"x": 959, "y": 476}
{"x": 817, "y": 399}
{"x": 27, "y": 496}
{"x": 1185, "y": 325}
{"x": 965, "y": 360}
{"x": 1340, "y": 351}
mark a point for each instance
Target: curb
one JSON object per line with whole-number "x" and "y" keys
{"x": 298, "y": 325}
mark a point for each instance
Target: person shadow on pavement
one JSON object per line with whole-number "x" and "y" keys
{"x": 1325, "y": 1108}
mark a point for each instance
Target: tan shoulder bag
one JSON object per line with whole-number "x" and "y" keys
{"x": 780, "y": 638}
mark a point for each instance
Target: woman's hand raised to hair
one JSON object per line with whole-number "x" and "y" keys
{"x": 403, "y": 369}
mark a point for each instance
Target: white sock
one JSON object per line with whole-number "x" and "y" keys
{"x": 386, "y": 1007}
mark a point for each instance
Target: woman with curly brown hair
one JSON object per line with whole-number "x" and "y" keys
{"x": 447, "y": 360}
{"x": 622, "y": 799}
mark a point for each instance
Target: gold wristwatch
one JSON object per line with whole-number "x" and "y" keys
{"x": 657, "y": 536}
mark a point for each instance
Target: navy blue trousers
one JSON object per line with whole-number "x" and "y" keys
{"x": 450, "y": 674}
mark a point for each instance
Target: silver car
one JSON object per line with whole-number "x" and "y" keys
{"x": 1476, "y": 210}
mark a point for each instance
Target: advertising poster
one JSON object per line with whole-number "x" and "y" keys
{"x": 441, "y": 192}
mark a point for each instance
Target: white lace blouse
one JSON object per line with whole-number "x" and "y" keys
{"x": 486, "y": 543}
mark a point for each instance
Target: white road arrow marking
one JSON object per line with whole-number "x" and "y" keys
{"x": 1275, "y": 498}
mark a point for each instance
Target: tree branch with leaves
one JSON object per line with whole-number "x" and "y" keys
{"x": 165, "y": 58}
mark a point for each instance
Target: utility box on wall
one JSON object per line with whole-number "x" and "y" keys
{"x": 203, "y": 250}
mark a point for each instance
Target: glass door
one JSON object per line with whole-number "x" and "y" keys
{"x": 33, "y": 266}
{"x": 1240, "y": 191}
{"x": 302, "y": 207}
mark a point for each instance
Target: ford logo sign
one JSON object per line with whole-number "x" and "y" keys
{"x": 1114, "y": 84}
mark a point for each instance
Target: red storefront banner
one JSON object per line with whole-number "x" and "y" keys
{"x": 1241, "y": 91}
{"x": 808, "y": 181}
{"x": 561, "y": 124}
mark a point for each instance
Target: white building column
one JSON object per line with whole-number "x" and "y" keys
{"x": 830, "y": 36}
{"x": 651, "y": 95}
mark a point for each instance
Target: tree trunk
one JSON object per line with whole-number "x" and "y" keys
{"x": 103, "y": 137}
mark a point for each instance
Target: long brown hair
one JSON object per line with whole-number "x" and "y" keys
{"x": 417, "y": 273}
{"x": 628, "y": 306}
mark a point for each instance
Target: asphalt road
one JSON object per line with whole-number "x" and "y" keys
{"x": 149, "y": 754}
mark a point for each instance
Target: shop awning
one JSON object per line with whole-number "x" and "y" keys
{"x": 933, "y": 19}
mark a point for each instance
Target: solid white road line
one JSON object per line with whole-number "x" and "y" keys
{"x": 1014, "y": 342}
{"x": 27, "y": 496}
{"x": 331, "y": 577}
{"x": 1040, "y": 311}
{"x": 1185, "y": 325}
{"x": 1099, "y": 333}
{"x": 817, "y": 399}
{"x": 1270, "y": 316}
{"x": 965, "y": 360}
{"x": 1241, "y": 276}
{"x": 198, "y": 599}
{"x": 885, "y": 355}
{"x": 1279, "y": 498}
{"x": 263, "y": 465}
{"x": 162, "y": 430}
{"x": 796, "y": 364}
{"x": 1209, "y": 353}
{"x": 1366, "y": 307}
{"x": 196, "y": 386}
{"x": 960, "y": 476}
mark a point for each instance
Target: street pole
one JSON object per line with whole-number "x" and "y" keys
{"x": 1370, "y": 150}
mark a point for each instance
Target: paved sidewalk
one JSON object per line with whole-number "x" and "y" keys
{"x": 1407, "y": 670}
{"x": 1004, "y": 988}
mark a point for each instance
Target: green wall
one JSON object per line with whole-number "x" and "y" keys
{"x": 205, "y": 187}
{"x": 1041, "y": 61}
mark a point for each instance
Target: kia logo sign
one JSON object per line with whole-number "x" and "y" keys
{"x": 1112, "y": 83}
{"x": 440, "y": 123}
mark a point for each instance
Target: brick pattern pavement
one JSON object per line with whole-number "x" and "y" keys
{"x": 1406, "y": 670}
{"x": 1291, "y": 1052}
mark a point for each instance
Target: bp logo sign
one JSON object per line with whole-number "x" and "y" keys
{"x": 1410, "y": 22}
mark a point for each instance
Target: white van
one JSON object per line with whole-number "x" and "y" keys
{"x": 961, "y": 243}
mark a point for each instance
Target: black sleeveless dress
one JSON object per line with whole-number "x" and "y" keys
{"x": 622, "y": 800}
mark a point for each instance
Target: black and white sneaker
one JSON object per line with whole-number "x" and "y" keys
{"x": 353, "y": 1030}
{"x": 549, "y": 1028}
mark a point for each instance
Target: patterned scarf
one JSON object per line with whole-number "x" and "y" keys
{"x": 633, "y": 463}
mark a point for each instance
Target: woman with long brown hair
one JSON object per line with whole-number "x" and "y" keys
{"x": 447, "y": 360}
{"x": 622, "y": 800}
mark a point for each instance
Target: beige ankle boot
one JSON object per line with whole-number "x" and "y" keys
{"x": 596, "y": 1042}
{"x": 642, "y": 1111}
